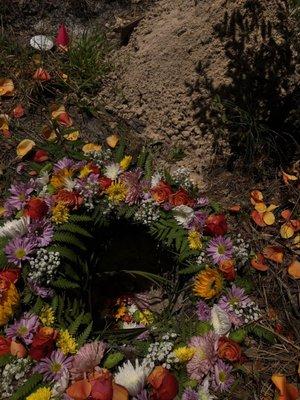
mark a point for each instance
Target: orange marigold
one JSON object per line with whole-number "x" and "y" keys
{"x": 208, "y": 283}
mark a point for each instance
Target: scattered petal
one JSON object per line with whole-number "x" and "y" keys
{"x": 73, "y": 136}
{"x": 287, "y": 177}
{"x": 294, "y": 269}
{"x": 235, "y": 208}
{"x": 112, "y": 140}
{"x": 18, "y": 111}
{"x": 258, "y": 218}
{"x": 273, "y": 253}
{"x": 91, "y": 147}
{"x": 287, "y": 231}
{"x": 256, "y": 196}
{"x": 41, "y": 42}
{"x": 258, "y": 262}
{"x": 6, "y": 87}
{"x": 286, "y": 214}
{"x": 62, "y": 39}
{"x": 260, "y": 207}
{"x": 24, "y": 147}
{"x": 41, "y": 75}
{"x": 269, "y": 218}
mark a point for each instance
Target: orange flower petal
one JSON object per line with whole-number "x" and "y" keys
{"x": 287, "y": 231}
{"x": 260, "y": 207}
{"x": 258, "y": 218}
{"x": 258, "y": 262}
{"x": 269, "y": 218}
{"x": 112, "y": 140}
{"x": 279, "y": 381}
{"x": 6, "y": 87}
{"x": 80, "y": 390}
{"x": 273, "y": 253}
{"x": 286, "y": 214}
{"x": 41, "y": 75}
{"x": 91, "y": 147}
{"x": 294, "y": 269}
{"x": 235, "y": 208}
{"x": 24, "y": 147}
{"x": 295, "y": 224}
{"x": 18, "y": 111}
{"x": 119, "y": 392}
{"x": 287, "y": 177}
{"x": 256, "y": 196}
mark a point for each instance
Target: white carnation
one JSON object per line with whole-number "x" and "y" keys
{"x": 220, "y": 320}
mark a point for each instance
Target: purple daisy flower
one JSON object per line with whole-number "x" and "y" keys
{"x": 54, "y": 366}
{"x": 204, "y": 357}
{"x": 23, "y": 329}
{"x": 20, "y": 193}
{"x": 203, "y": 311}
{"x": 132, "y": 180}
{"x": 89, "y": 186}
{"x": 190, "y": 394}
{"x": 235, "y": 299}
{"x": 220, "y": 249}
{"x": 18, "y": 249}
{"x": 222, "y": 380}
{"x": 41, "y": 231}
{"x": 198, "y": 221}
{"x": 63, "y": 163}
{"x": 143, "y": 395}
{"x": 40, "y": 291}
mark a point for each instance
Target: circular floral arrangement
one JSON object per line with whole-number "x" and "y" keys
{"x": 48, "y": 347}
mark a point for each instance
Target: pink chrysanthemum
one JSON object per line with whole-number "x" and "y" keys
{"x": 87, "y": 358}
{"x": 205, "y": 355}
{"x": 19, "y": 249}
{"x": 132, "y": 180}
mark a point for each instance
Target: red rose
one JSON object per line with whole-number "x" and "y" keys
{"x": 164, "y": 384}
{"x": 36, "y": 208}
{"x": 216, "y": 225}
{"x": 43, "y": 343}
{"x": 71, "y": 199}
{"x": 4, "y": 346}
{"x": 104, "y": 182}
{"x": 228, "y": 270}
{"x": 229, "y": 350}
{"x": 161, "y": 192}
{"x": 95, "y": 169}
{"x": 40, "y": 156}
{"x": 181, "y": 197}
{"x": 11, "y": 275}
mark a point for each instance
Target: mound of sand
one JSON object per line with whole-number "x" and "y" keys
{"x": 154, "y": 79}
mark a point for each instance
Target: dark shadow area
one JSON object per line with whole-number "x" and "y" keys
{"x": 123, "y": 246}
{"x": 259, "y": 109}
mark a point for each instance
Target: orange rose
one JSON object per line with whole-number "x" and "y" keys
{"x": 228, "y": 270}
{"x": 229, "y": 350}
{"x": 161, "y": 192}
{"x": 164, "y": 384}
{"x": 70, "y": 199}
{"x": 181, "y": 197}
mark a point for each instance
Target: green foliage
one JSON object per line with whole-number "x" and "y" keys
{"x": 238, "y": 335}
{"x": 32, "y": 382}
{"x": 142, "y": 158}
{"x": 245, "y": 283}
{"x": 261, "y": 333}
{"x": 69, "y": 239}
{"x": 73, "y": 328}
{"x": 120, "y": 150}
{"x": 36, "y": 309}
{"x": 3, "y": 259}
{"x": 149, "y": 166}
{"x": 113, "y": 360}
{"x": 69, "y": 310}
{"x": 73, "y": 228}
{"x": 203, "y": 327}
{"x": 80, "y": 218}
{"x": 191, "y": 269}
{"x": 6, "y": 359}
{"x": 62, "y": 283}
{"x": 85, "y": 334}
{"x": 126, "y": 211}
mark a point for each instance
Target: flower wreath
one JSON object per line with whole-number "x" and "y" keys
{"x": 47, "y": 347}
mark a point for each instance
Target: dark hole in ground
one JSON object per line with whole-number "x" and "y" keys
{"x": 118, "y": 247}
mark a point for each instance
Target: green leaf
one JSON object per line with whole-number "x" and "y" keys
{"x": 80, "y": 218}
{"x": 113, "y": 360}
{"x": 192, "y": 269}
{"x": 73, "y": 228}
{"x": 6, "y": 359}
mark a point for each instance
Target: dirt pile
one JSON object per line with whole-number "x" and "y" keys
{"x": 155, "y": 84}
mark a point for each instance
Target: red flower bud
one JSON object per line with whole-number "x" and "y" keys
{"x": 36, "y": 208}
{"x": 40, "y": 156}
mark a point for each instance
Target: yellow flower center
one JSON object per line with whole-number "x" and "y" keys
{"x": 55, "y": 367}
{"x": 20, "y": 253}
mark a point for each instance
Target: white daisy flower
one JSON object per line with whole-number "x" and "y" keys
{"x": 16, "y": 227}
{"x": 183, "y": 214}
{"x": 133, "y": 378}
{"x": 69, "y": 184}
{"x": 112, "y": 171}
{"x": 43, "y": 179}
{"x": 220, "y": 320}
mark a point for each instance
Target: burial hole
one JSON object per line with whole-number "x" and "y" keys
{"x": 123, "y": 246}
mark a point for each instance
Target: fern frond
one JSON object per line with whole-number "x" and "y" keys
{"x": 23, "y": 391}
{"x": 5, "y": 359}
{"x": 73, "y": 228}
{"x": 73, "y": 328}
{"x": 142, "y": 157}
{"x": 80, "y": 218}
{"x": 120, "y": 150}
{"x": 63, "y": 283}
{"x": 192, "y": 269}
{"x": 68, "y": 238}
{"x": 65, "y": 252}
{"x": 85, "y": 335}
{"x": 261, "y": 333}
{"x": 149, "y": 166}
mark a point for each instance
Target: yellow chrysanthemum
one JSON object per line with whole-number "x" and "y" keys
{"x": 85, "y": 171}
{"x": 60, "y": 213}
{"x": 8, "y": 301}
{"x": 117, "y": 192}
{"x": 47, "y": 316}
{"x": 184, "y": 353}
{"x": 194, "y": 240}
{"x": 58, "y": 180}
{"x": 125, "y": 162}
{"x": 121, "y": 312}
{"x": 43, "y": 393}
{"x": 208, "y": 283}
{"x": 66, "y": 343}
{"x": 146, "y": 317}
